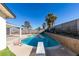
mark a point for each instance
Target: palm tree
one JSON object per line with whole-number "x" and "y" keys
{"x": 50, "y": 20}
{"x": 44, "y": 26}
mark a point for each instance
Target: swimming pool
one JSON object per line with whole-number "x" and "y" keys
{"x": 34, "y": 39}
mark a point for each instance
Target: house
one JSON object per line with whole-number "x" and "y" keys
{"x": 5, "y": 14}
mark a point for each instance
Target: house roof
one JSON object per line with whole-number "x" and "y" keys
{"x": 5, "y": 12}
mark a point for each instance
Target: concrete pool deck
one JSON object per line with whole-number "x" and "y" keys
{"x": 26, "y": 50}
{"x": 60, "y": 51}
{"x": 23, "y": 50}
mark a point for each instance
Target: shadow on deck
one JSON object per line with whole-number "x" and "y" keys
{"x": 33, "y": 52}
{"x": 59, "y": 52}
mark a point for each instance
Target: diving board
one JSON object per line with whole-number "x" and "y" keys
{"x": 40, "y": 49}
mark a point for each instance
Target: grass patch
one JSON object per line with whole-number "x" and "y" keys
{"x": 6, "y": 52}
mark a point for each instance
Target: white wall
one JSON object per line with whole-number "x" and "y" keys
{"x": 2, "y": 33}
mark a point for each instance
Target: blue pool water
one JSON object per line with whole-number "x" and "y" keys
{"x": 34, "y": 39}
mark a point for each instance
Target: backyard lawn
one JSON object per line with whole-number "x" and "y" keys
{"x": 6, "y": 52}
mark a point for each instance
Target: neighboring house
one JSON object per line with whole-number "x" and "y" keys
{"x": 5, "y": 14}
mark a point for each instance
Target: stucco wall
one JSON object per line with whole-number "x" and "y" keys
{"x": 2, "y": 33}
{"x": 71, "y": 43}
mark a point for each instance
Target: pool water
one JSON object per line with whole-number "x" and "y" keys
{"x": 34, "y": 39}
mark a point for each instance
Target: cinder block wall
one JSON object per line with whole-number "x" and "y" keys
{"x": 71, "y": 43}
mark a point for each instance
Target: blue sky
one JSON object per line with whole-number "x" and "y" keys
{"x": 36, "y": 13}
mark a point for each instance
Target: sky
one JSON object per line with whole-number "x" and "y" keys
{"x": 35, "y": 13}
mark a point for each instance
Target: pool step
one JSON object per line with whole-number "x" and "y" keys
{"x": 40, "y": 49}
